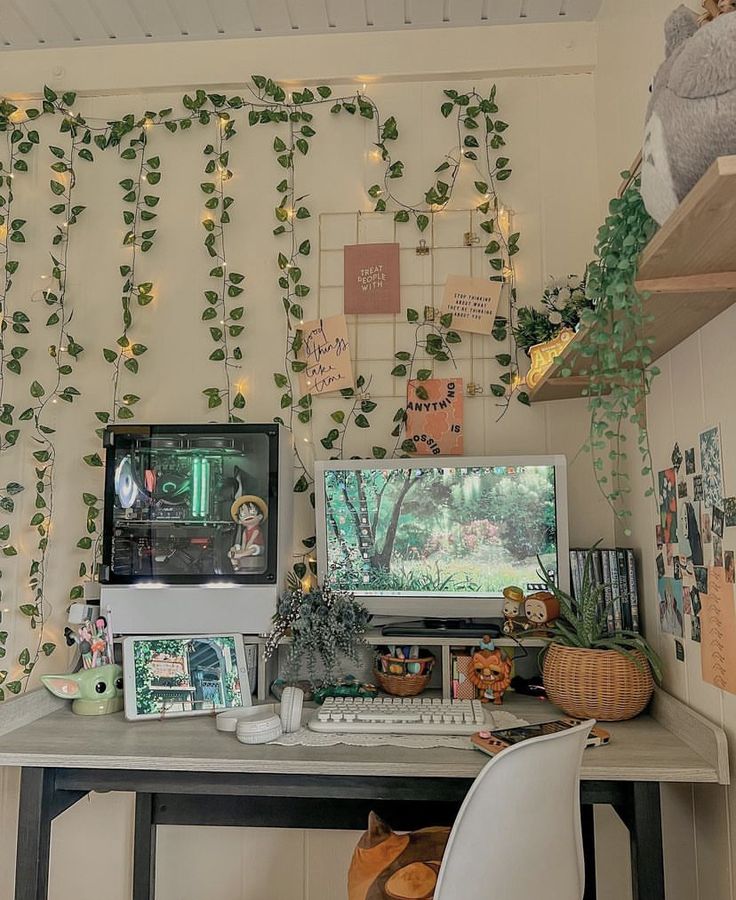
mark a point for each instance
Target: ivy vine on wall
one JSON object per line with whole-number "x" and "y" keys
{"x": 291, "y": 121}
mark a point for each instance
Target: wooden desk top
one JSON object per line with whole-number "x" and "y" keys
{"x": 44, "y": 732}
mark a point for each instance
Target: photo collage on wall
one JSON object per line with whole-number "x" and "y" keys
{"x": 695, "y": 571}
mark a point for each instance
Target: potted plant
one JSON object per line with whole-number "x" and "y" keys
{"x": 588, "y": 672}
{"x": 325, "y": 624}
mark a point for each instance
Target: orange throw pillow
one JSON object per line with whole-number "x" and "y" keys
{"x": 390, "y": 866}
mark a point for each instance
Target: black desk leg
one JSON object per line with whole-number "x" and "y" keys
{"x": 144, "y": 849}
{"x": 35, "y": 813}
{"x": 645, "y": 828}
{"x": 588, "y": 825}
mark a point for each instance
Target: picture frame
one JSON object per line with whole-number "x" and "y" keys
{"x": 167, "y": 676}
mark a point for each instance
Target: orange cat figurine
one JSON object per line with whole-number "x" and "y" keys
{"x": 490, "y": 671}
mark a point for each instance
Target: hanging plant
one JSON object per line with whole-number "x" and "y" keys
{"x": 224, "y": 320}
{"x": 613, "y": 355}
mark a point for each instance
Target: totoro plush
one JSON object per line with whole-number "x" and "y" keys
{"x": 691, "y": 118}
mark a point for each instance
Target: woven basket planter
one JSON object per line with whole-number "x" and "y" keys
{"x": 597, "y": 684}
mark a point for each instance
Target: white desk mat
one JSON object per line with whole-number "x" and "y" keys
{"x": 305, "y": 738}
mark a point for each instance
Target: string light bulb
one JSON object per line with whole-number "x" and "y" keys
{"x": 17, "y": 116}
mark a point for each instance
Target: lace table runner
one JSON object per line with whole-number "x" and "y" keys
{"x": 306, "y": 738}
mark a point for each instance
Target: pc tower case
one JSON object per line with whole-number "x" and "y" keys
{"x": 197, "y": 528}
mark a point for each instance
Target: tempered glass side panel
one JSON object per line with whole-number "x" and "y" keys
{"x": 190, "y": 504}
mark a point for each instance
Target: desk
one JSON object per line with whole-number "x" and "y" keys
{"x": 185, "y": 772}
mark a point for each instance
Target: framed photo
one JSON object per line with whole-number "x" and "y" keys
{"x": 184, "y": 675}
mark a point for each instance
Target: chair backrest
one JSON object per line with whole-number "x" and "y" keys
{"x": 517, "y": 834}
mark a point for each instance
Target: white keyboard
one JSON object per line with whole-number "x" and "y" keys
{"x": 398, "y": 715}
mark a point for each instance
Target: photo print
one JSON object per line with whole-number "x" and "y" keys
{"x": 695, "y": 602}
{"x": 697, "y": 487}
{"x": 729, "y": 512}
{"x": 728, "y": 565}
{"x": 717, "y": 552}
{"x": 676, "y": 457}
{"x": 668, "y": 505}
{"x": 701, "y": 579}
{"x": 690, "y": 461}
{"x": 695, "y": 629}
{"x": 688, "y": 529}
{"x": 712, "y": 466}
{"x": 660, "y": 565}
{"x": 717, "y": 521}
{"x": 681, "y": 487}
{"x": 670, "y": 606}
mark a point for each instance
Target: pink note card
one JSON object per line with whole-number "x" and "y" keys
{"x": 372, "y": 279}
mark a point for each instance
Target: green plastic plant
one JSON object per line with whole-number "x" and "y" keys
{"x": 533, "y": 326}
{"x": 614, "y": 354}
{"x": 324, "y": 624}
{"x": 583, "y": 621}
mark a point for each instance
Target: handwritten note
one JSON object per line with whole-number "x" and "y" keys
{"x": 718, "y": 632}
{"x": 372, "y": 279}
{"x": 326, "y": 351}
{"x": 472, "y": 302}
{"x": 434, "y": 416}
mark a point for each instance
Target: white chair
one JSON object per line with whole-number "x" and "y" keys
{"x": 517, "y": 835}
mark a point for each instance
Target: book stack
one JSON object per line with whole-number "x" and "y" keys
{"x": 615, "y": 570}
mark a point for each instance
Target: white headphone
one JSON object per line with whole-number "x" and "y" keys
{"x": 261, "y": 724}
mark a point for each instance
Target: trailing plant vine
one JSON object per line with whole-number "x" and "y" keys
{"x": 614, "y": 355}
{"x": 20, "y": 140}
{"x": 225, "y": 321}
{"x": 64, "y": 351}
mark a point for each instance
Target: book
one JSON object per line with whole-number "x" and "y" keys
{"x": 607, "y": 592}
{"x": 624, "y": 591}
{"x": 615, "y": 590}
{"x": 633, "y": 590}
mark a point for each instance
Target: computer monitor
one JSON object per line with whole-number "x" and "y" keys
{"x": 441, "y": 537}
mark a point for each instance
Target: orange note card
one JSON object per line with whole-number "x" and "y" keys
{"x": 435, "y": 421}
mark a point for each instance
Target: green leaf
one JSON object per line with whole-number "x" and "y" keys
{"x": 37, "y": 390}
{"x": 93, "y": 459}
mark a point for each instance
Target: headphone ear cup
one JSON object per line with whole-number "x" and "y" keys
{"x": 292, "y": 701}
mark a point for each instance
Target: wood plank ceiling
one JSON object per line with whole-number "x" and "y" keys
{"x": 33, "y": 24}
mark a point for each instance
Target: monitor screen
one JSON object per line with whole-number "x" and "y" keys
{"x": 452, "y": 528}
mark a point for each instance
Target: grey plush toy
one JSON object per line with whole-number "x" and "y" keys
{"x": 691, "y": 118}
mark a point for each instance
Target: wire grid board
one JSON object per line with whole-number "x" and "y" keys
{"x": 456, "y": 244}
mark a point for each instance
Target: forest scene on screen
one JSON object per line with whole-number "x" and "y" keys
{"x": 439, "y": 530}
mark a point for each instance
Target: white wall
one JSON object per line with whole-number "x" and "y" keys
{"x": 553, "y": 151}
{"x": 692, "y": 393}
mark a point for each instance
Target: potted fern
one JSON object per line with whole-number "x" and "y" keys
{"x": 589, "y": 672}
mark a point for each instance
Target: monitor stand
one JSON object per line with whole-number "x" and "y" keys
{"x": 461, "y": 628}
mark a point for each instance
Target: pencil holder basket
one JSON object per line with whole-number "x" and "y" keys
{"x": 403, "y": 677}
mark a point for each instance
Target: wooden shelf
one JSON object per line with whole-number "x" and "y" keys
{"x": 688, "y": 268}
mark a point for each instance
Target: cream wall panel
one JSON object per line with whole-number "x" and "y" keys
{"x": 418, "y": 54}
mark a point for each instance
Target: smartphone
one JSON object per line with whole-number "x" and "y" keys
{"x": 493, "y": 742}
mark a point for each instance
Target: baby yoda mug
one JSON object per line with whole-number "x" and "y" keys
{"x": 94, "y": 692}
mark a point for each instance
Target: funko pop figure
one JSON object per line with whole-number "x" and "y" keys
{"x": 541, "y": 609}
